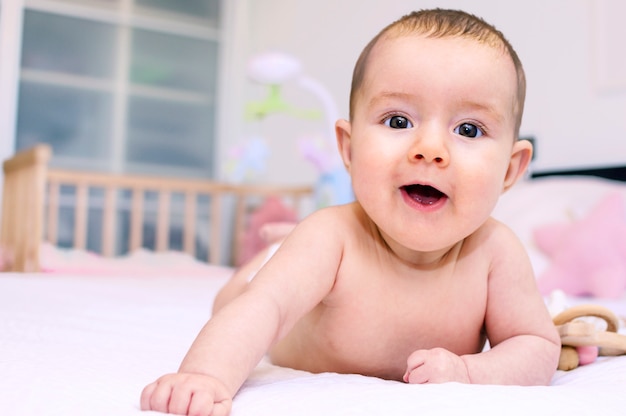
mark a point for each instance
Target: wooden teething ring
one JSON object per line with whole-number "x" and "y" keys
{"x": 588, "y": 310}
{"x": 578, "y": 333}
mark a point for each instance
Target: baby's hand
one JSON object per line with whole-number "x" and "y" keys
{"x": 437, "y": 365}
{"x": 187, "y": 394}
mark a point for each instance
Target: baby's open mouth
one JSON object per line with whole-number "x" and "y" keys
{"x": 424, "y": 194}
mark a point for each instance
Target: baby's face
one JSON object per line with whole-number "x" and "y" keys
{"x": 431, "y": 138}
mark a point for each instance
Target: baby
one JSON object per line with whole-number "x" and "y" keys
{"x": 409, "y": 281}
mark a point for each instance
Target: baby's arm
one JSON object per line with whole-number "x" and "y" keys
{"x": 525, "y": 346}
{"x": 232, "y": 343}
{"x": 241, "y": 278}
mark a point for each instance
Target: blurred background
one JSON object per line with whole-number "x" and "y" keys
{"x": 162, "y": 86}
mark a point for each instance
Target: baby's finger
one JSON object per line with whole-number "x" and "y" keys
{"x": 146, "y": 395}
{"x": 201, "y": 404}
{"x": 160, "y": 397}
{"x": 222, "y": 408}
{"x": 418, "y": 376}
{"x": 179, "y": 401}
{"x": 416, "y": 358}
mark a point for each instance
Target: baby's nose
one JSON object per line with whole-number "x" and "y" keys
{"x": 430, "y": 149}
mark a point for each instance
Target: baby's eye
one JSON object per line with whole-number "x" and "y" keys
{"x": 469, "y": 130}
{"x": 398, "y": 122}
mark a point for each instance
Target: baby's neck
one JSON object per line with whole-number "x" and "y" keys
{"x": 423, "y": 260}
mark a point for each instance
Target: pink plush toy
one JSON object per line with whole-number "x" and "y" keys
{"x": 588, "y": 256}
{"x": 253, "y": 240}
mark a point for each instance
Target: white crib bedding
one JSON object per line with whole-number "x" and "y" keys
{"x": 72, "y": 345}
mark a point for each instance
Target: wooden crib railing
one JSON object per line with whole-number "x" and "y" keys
{"x": 30, "y": 208}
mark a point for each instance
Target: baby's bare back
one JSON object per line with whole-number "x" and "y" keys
{"x": 381, "y": 310}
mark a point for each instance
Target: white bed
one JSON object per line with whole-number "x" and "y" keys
{"x": 73, "y": 344}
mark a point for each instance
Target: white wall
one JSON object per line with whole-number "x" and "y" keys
{"x": 576, "y": 123}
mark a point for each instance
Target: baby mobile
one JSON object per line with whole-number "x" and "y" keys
{"x": 247, "y": 160}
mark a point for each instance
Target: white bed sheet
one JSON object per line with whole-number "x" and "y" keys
{"x": 73, "y": 345}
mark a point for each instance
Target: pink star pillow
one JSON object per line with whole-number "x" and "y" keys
{"x": 588, "y": 256}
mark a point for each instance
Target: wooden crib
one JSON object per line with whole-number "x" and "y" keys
{"x": 32, "y": 194}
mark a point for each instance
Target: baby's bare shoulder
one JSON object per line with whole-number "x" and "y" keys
{"x": 326, "y": 230}
{"x": 505, "y": 253}
{"x": 497, "y": 246}
{"x": 496, "y": 235}
{"x": 337, "y": 219}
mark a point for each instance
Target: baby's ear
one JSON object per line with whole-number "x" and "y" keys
{"x": 343, "y": 130}
{"x": 521, "y": 155}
